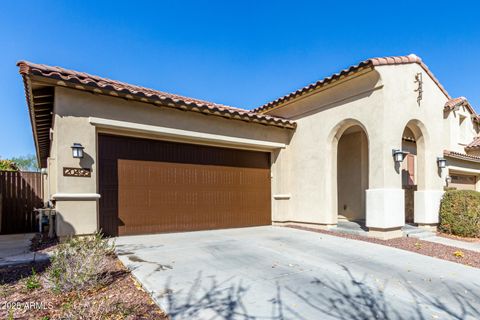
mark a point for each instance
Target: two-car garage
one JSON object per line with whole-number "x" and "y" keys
{"x": 150, "y": 186}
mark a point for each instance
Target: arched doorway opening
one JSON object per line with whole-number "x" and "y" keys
{"x": 412, "y": 173}
{"x": 352, "y": 174}
{"x": 409, "y": 172}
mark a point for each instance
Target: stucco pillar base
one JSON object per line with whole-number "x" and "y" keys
{"x": 385, "y": 234}
{"x": 317, "y": 226}
{"x": 77, "y": 217}
{"x": 429, "y": 227}
{"x": 427, "y": 206}
{"x": 385, "y": 208}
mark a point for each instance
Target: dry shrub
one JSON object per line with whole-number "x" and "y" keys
{"x": 79, "y": 263}
{"x": 460, "y": 213}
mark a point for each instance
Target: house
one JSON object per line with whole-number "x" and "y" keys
{"x": 377, "y": 142}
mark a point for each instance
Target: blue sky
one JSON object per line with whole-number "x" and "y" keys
{"x": 242, "y": 53}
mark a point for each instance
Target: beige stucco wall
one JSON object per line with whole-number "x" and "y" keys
{"x": 426, "y": 120}
{"x": 73, "y": 110}
{"x": 455, "y": 139}
{"x": 402, "y": 108}
{"x": 76, "y": 217}
{"x": 383, "y": 102}
{"x": 322, "y": 118}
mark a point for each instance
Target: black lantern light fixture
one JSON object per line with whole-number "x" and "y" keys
{"x": 441, "y": 162}
{"x": 77, "y": 150}
{"x": 398, "y": 155}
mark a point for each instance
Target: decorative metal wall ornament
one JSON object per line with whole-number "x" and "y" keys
{"x": 419, "y": 80}
{"x": 77, "y": 172}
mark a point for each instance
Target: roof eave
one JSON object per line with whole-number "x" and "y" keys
{"x": 29, "y": 98}
{"x": 370, "y": 63}
{"x": 314, "y": 87}
{"x": 461, "y": 156}
{"x": 55, "y": 80}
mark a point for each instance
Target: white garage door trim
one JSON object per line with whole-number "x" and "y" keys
{"x": 179, "y": 133}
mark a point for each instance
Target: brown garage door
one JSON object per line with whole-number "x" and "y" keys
{"x": 150, "y": 186}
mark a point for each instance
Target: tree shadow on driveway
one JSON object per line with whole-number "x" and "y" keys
{"x": 355, "y": 298}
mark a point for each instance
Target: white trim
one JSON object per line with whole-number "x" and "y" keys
{"x": 179, "y": 133}
{"x": 75, "y": 196}
{"x": 282, "y": 196}
{"x": 465, "y": 170}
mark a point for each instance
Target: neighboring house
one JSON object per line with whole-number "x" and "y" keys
{"x": 158, "y": 162}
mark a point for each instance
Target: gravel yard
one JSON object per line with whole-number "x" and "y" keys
{"x": 26, "y": 291}
{"x": 120, "y": 298}
{"x": 466, "y": 257}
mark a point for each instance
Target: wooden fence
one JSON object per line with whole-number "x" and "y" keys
{"x": 20, "y": 193}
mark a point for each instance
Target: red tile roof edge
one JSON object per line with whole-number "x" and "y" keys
{"x": 454, "y": 103}
{"x": 475, "y": 144}
{"x": 369, "y": 63}
{"x": 462, "y": 156}
{"x": 27, "y": 69}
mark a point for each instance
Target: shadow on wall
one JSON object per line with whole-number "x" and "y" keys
{"x": 87, "y": 161}
{"x": 326, "y": 298}
{"x": 63, "y": 228}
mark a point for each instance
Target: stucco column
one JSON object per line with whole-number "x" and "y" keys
{"x": 385, "y": 199}
{"x": 385, "y": 208}
{"x": 427, "y": 206}
{"x": 430, "y": 191}
{"x": 76, "y": 197}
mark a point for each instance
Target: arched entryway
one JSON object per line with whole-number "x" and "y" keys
{"x": 412, "y": 168}
{"x": 352, "y": 174}
{"x": 409, "y": 172}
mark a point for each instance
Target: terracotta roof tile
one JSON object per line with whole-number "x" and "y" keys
{"x": 369, "y": 63}
{"x": 28, "y": 69}
{"x": 475, "y": 144}
{"x": 461, "y": 156}
{"x": 455, "y": 103}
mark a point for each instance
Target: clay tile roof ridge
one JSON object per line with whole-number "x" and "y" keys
{"x": 29, "y": 68}
{"x": 460, "y": 155}
{"x": 453, "y": 103}
{"x": 371, "y": 62}
{"x": 475, "y": 144}
{"x": 103, "y": 82}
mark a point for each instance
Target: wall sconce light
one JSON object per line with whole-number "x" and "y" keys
{"x": 441, "y": 162}
{"x": 77, "y": 150}
{"x": 398, "y": 155}
{"x": 448, "y": 180}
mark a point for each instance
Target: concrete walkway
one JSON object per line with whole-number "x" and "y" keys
{"x": 283, "y": 273}
{"x": 355, "y": 228}
{"x": 431, "y": 236}
{"x": 473, "y": 246}
{"x": 15, "y": 249}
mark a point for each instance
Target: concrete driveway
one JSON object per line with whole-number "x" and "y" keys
{"x": 282, "y": 273}
{"x": 15, "y": 249}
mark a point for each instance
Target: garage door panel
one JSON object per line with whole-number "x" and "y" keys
{"x": 168, "y": 187}
{"x": 174, "y": 196}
